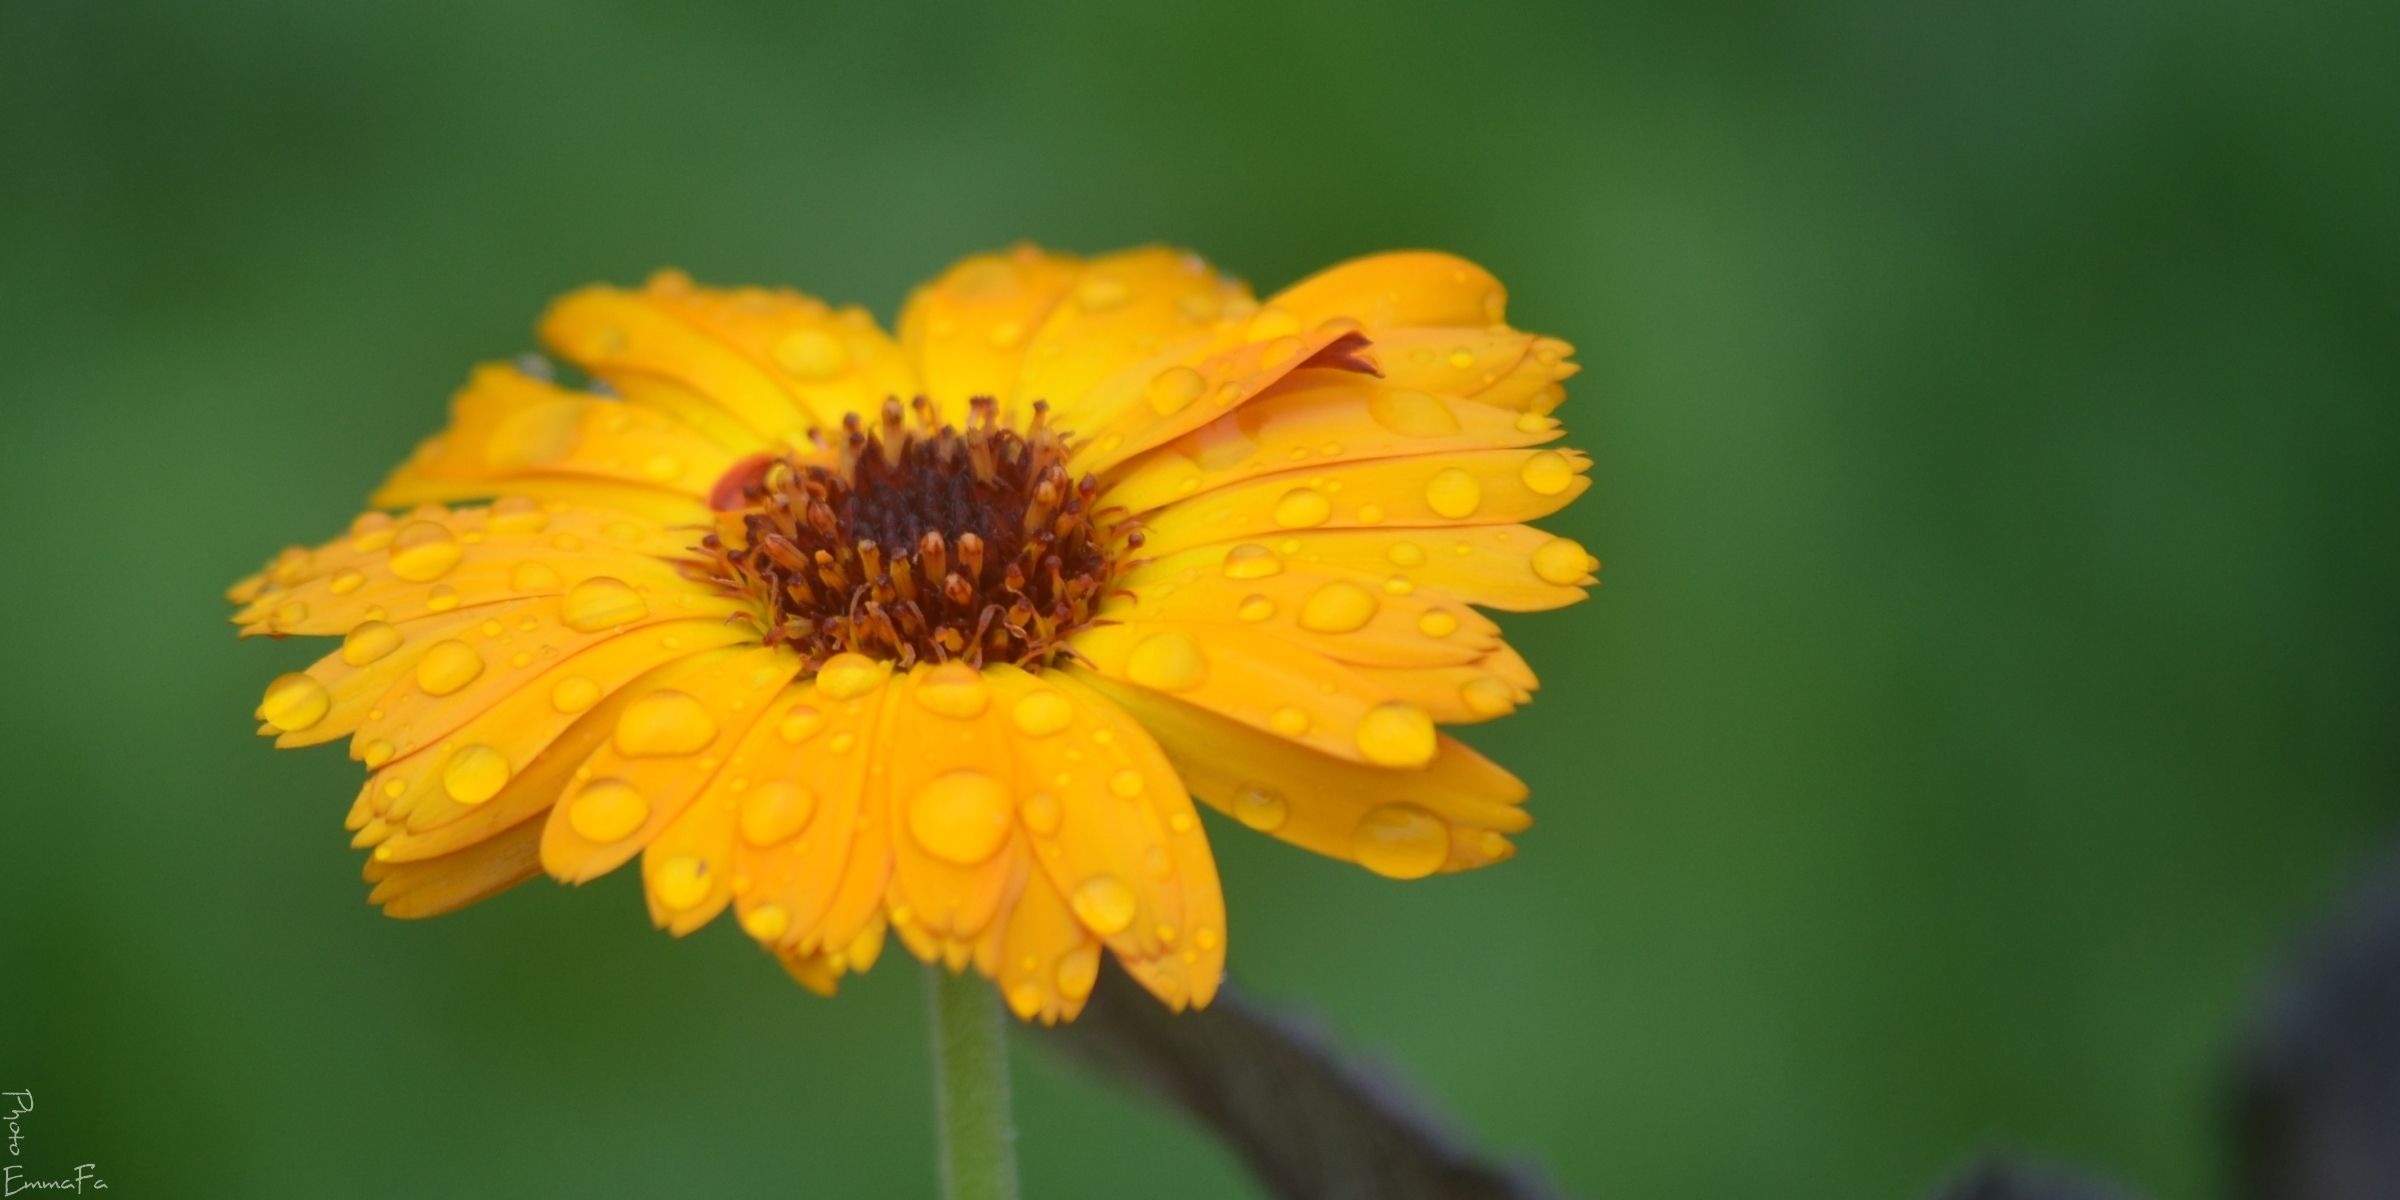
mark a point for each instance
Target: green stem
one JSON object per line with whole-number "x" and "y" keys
{"x": 970, "y": 1088}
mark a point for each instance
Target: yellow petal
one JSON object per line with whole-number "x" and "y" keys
{"x": 1380, "y": 818}
{"x": 967, "y": 331}
{"x": 1482, "y": 487}
{"x": 805, "y": 837}
{"x": 1343, "y": 615}
{"x": 1145, "y": 307}
{"x": 1492, "y": 566}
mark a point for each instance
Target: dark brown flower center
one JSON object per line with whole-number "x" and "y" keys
{"x": 919, "y": 542}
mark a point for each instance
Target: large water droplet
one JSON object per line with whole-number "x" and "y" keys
{"x": 601, "y": 603}
{"x": 1104, "y": 904}
{"x": 1396, "y": 734}
{"x": 1170, "y": 662}
{"x": 371, "y": 642}
{"x": 1402, "y": 841}
{"x": 1563, "y": 561}
{"x": 776, "y": 812}
{"x": 1547, "y": 473}
{"x": 681, "y": 882}
{"x": 607, "y": 810}
{"x": 1412, "y": 413}
{"x": 1302, "y": 508}
{"x": 424, "y": 551}
{"x": 847, "y": 675}
{"x": 574, "y": 694}
{"x": 1174, "y": 389}
{"x": 295, "y": 702}
{"x": 1338, "y": 607}
{"x": 1251, "y": 561}
{"x": 475, "y": 774}
{"x": 954, "y": 690}
{"x": 447, "y": 667}
{"x": 1041, "y": 713}
{"x": 1453, "y": 493}
{"x": 960, "y": 817}
{"x": 1260, "y": 808}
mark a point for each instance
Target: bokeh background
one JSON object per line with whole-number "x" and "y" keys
{"x": 1994, "y": 412}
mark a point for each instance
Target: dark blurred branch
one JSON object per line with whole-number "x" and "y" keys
{"x": 1307, "y": 1124}
{"x": 2316, "y": 1103}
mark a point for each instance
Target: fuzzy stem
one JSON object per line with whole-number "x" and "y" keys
{"x": 978, "y": 1137}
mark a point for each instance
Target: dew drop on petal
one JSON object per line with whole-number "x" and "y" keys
{"x": 1302, "y": 508}
{"x": 767, "y": 922}
{"x": 1406, "y": 554}
{"x": 960, "y": 817}
{"x": 1453, "y": 493}
{"x": 1412, "y": 413}
{"x": 849, "y": 675}
{"x": 1174, "y": 389}
{"x": 663, "y": 724}
{"x": 1104, "y": 904}
{"x": 424, "y": 551}
{"x": 447, "y": 667}
{"x": 1401, "y": 841}
{"x": 371, "y": 642}
{"x": 776, "y": 812}
{"x": 533, "y": 576}
{"x": 1078, "y": 970}
{"x": 295, "y": 702}
{"x": 954, "y": 690}
{"x": 347, "y": 581}
{"x": 799, "y": 725}
{"x": 607, "y": 810}
{"x": 475, "y": 774}
{"x": 1396, "y": 734}
{"x": 1126, "y": 784}
{"x": 1169, "y": 662}
{"x": 1289, "y": 721}
{"x": 1487, "y": 697}
{"x": 681, "y": 882}
{"x": 1562, "y": 561}
{"x": 574, "y": 694}
{"x": 1255, "y": 608}
{"x": 1259, "y": 808}
{"x": 1547, "y": 473}
{"x": 1338, "y": 607}
{"x": 601, "y": 603}
{"x": 1437, "y": 623}
{"x": 1251, "y": 561}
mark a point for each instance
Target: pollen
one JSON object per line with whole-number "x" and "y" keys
{"x": 907, "y": 541}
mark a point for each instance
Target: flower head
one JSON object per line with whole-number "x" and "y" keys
{"x": 940, "y": 636}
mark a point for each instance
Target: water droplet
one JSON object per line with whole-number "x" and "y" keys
{"x": 1411, "y": 413}
{"x": 517, "y": 515}
{"x": 1401, "y": 841}
{"x": 800, "y": 724}
{"x": 1462, "y": 358}
{"x": 1181, "y": 822}
{"x": 1204, "y": 939}
{"x": 960, "y": 817}
{"x": 659, "y": 468}
{"x": 1487, "y": 697}
{"x": 812, "y": 354}
{"x": 607, "y": 810}
{"x": 1281, "y": 352}
{"x": 1437, "y": 623}
{"x": 1370, "y": 514}
{"x": 1041, "y": 813}
{"x": 1289, "y": 721}
{"x": 1041, "y": 713}
{"x": 1453, "y": 493}
{"x": 574, "y": 694}
{"x": 1025, "y": 999}
{"x": 1105, "y": 906}
{"x": 954, "y": 690}
{"x": 1272, "y": 322}
{"x": 1169, "y": 662}
{"x": 1126, "y": 783}
{"x": 475, "y": 774}
{"x": 602, "y": 603}
{"x": 447, "y": 667}
{"x": 371, "y": 642}
{"x": 1396, "y": 734}
{"x": 371, "y": 532}
{"x": 1563, "y": 561}
{"x": 295, "y": 702}
{"x": 1100, "y": 293}
{"x": 424, "y": 551}
{"x": 1302, "y": 508}
{"x": 1547, "y": 473}
{"x": 776, "y": 812}
{"x": 1255, "y": 608}
{"x": 663, "y": 724}
{"x": 767, "y": 922}
{"x": 847, "y": 676}
{"x": 376, "y": 753}
{"x": 1399, "y": 585}
{"x": 1251, "y": 561}
{"x": 1406, "y": 554}
{"x": 681, "y": 882}
{"x": 1174, "y": 389}
{"x": 347, "y": 581}
{"x": 1259, "y": 808}
{"x": 1338, "y": 607}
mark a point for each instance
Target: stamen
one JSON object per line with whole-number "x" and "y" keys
{"x": 917, "y": 541}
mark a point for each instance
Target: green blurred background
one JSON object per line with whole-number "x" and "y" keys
{"x": 1994, "y": 413}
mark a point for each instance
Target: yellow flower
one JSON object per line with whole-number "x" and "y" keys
{"x": 940, "y": 635}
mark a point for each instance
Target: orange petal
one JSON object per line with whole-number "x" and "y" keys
{"x": 1405, "y": 287}
{"x": 1451, "y": 815}
{"x": 1515, "y": 568}
{"x": 967, "y": 331}
{"x": 1481, "y": 487}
